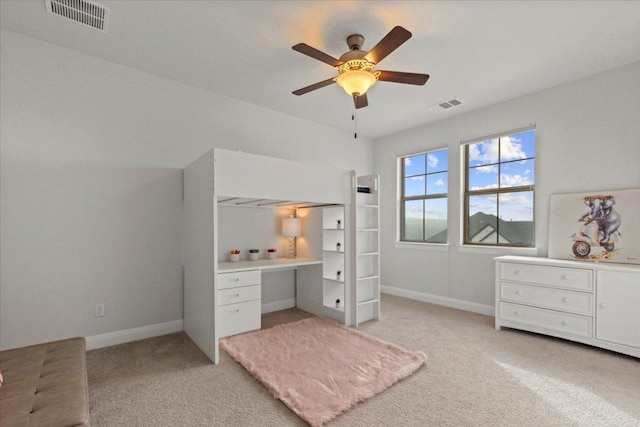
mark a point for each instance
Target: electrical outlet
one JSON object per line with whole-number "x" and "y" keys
{"x": 99, "y": 311}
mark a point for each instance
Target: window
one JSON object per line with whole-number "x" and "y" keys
{"x": 423, "y": 203}
{"x": 499, "y": 189}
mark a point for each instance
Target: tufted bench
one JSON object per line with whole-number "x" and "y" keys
{"x": 45, "y": 385}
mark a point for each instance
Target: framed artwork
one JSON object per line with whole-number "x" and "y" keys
{"x": 596, "y": 226}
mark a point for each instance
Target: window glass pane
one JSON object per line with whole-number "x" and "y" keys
{"x": 414, "y": 165}
{"x": 437, "y": 161}
{"x": 517, "y": 146}
{"x": 502, "y": 164}
{"x": 484, "y": 152}
{"x": 517, "y": 206}
{"x": 435, "y": 220}
{"x": 482, "y": 221}
{"x": 514, "y": 174}
{"x": 425, "y": 175}
{"x": 516, "y": 218}
{"x": 414, "y": 186}
{"x": 483, "y": 177}
{"x": 413, "y": 223}
{"x": 437, "y": 183}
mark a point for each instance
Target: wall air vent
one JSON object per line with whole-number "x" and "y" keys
{"x": 445, "y": 105}
{"x": 83, "y": 11}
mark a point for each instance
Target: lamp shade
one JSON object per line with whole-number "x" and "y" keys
{"x": 356, "y": 81}
{"x": 291, "y": 227}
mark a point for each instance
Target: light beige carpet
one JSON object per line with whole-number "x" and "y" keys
{"x": 476, "y": 377}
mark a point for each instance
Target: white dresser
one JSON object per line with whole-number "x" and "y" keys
{"x": 596, "y": 304}
{"x": 239, "y": 302}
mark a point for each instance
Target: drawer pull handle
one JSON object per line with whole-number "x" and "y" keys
{"x": 516, "y": 272}
{"x": 235, "y": 295}
{"x": 237, "y": 310}
{"x": 603, "y": 305}
{"x": 565, "y": 323}
{"x": 565, "y": 277}
{"x": 517, "y": 313}
{"x": 518, "y": 292}
{"x": 237, "y": 279}
{"x": 565, "y": 299}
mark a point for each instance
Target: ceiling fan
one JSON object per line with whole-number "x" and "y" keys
{"x": 356, "y": 67}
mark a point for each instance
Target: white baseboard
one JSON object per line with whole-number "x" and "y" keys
{"x": 439, "y": 300}
{"x": 135, "y": 334}
{"x": 278, "y": 305}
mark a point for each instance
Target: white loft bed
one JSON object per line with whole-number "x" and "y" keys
{"x": 236, "y": 178}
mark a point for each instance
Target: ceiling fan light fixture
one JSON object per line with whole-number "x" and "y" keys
{"x": 356, "y": 67}
{"x": 356, "y": 82}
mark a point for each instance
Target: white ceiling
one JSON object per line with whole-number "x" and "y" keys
{"x": 482, "y": 52}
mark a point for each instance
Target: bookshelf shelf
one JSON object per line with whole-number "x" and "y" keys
{"x": 368, "y": 254}
{"x": 370, "y": 301}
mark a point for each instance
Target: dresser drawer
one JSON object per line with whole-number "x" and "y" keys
{"x": 556, "y": 299}
{"x": 571, "y": 278}
{"x": 235, "y": 295}
{"x": 238, "y": 278}
{"x": 547, "y": 319}
{"x": 238, "y": 318}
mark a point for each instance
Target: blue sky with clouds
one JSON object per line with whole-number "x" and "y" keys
{"x": 506, "y": 162}
{"x": 516, "y": 167}
{"x": 427, "y": 174}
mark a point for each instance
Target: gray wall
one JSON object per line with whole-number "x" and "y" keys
{"x": 588, "y": 138}
{"x": 73, "y": 237}
{"x": 91, "y": 187}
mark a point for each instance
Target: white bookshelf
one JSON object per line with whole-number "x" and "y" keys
{"x": 367, "y": 247}
{"x": 334, "y": 246}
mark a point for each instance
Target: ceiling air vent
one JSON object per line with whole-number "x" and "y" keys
{"x": 445, "y": 105}
{"x": 83, "y": 11}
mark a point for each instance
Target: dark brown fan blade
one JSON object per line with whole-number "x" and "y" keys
{"x": 388, "y": 44}
{"x": 314, "y": 86}
{"x": 407, "y": 78}
{"x": 316, "y": 54}
{"x": 360, "y": 101}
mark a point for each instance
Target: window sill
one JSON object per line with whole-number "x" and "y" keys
{"x": 469, "y": 249}
{"x": 487, "y": 250}
{"x": 433, "y": 247}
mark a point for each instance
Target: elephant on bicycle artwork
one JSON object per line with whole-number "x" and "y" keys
{"x": 600, "y": 228}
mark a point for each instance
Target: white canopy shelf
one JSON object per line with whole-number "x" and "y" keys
{"x": 264, "y": 179}
{"x": 267, "y": 203}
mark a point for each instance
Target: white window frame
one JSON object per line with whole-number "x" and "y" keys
{"x": 419, "y": 244}
{"x": 466, "y": 244}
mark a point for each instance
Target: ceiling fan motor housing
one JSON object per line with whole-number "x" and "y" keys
{"x": 355, "y": 41}
{"x": 353, "y": 55}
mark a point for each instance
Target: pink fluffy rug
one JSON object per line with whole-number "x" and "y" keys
{"x": 320, "y": 368}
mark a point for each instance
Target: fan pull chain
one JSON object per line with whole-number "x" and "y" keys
{"x": 355, "y": 123}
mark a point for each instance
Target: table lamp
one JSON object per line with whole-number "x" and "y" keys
{"x": 291, "y": 228}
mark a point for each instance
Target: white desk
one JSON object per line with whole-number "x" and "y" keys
{"x": 239, "y": 291}
{"x": 266, "y": 265}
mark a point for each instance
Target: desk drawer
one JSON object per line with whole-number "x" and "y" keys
{"x": 561, "y": 277}
{"x": 238, "y": 279}
{"x": 556, "y": 299}
{"x": 235, "y": 295}
{"x": 238, "y": 318}
{"x": 547, "y": 319}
